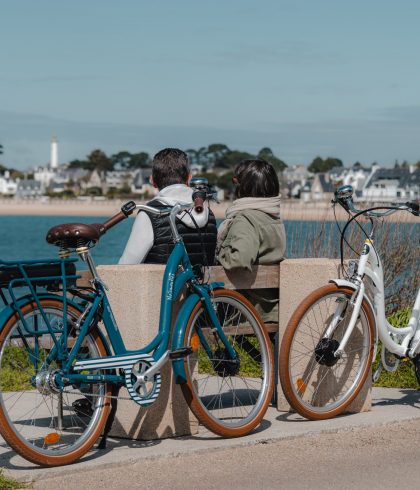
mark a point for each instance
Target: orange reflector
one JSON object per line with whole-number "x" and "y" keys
{"x": 52, "y": 438}
{"x": 195, "y": 342}
{"x": 301, "y": 386}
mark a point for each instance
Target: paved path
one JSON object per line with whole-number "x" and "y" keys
{"x": 280, "y": 437}
{"x": 369, "y": 458}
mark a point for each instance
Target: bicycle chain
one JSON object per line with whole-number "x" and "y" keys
{"x": 113, "y": 397}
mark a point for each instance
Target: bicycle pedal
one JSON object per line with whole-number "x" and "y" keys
{"x": 181, "y": 352}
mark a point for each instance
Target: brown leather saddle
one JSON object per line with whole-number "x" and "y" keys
{"x": 73, "y": 235}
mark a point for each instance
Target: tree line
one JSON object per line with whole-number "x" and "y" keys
{"x": 216, "y": 160}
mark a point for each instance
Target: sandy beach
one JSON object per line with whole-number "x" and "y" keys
{"x": 290, "y": 210}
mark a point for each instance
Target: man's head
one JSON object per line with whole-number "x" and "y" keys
{"x": 170, "y": 166}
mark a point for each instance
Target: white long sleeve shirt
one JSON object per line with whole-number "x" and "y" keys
{"x": 142, "y": 237}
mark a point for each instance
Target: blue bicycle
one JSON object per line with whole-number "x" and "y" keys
{"x": 60, "y": 373}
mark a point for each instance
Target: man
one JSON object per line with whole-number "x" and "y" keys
{"x": 150, "y": 240}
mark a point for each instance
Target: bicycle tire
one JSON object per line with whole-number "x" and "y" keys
{"x": 47, "y": 434}
{"x": 249, "y": 385}
{"x": 316, "y": 384}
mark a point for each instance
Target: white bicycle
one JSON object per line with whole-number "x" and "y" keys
{"x": 331, "y": 339}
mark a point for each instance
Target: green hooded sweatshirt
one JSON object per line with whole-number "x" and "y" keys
{"x": 255, "y": 237}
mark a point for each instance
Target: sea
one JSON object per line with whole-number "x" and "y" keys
{"x": 23, "y": 238}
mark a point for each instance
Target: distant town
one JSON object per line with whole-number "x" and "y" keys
{"x": 124, "y": 175}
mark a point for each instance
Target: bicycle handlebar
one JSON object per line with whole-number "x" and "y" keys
{"x": 344, "y": 196}
{"x": 128, "y": 209}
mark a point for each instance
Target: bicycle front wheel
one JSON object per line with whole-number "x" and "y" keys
{"x": 317, "y": 384}
{"x": 45, "y": 423}
{"x": 228, "y": 396}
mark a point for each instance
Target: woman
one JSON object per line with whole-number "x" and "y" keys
{"x": 253, "y": 232}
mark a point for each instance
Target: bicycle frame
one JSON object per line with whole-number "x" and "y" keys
{"x": 370, "y": 265}
{"x": 157, "y": 350}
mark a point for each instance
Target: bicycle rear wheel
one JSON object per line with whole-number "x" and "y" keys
{"x": 44, "y": 423}
{"x": 228, "y": 397}
{"x": 315, "y": 383}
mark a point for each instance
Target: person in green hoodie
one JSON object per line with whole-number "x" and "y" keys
{"x": 253, "y": 232}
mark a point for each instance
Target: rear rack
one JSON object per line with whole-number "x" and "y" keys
{"x": 24, "y": 277}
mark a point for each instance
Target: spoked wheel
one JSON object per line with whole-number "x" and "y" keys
{"x": 228, "y": 396}
{"x": 43, "y": 422}
{"x": 317, "y": 384}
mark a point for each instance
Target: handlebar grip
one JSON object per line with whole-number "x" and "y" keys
{"x": 199, "y": 205}
{"x": 198, "y": 198}
{"x": 415, "y": 208}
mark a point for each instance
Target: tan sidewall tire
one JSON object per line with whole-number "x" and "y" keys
{"x": 287, "y": 342}
{"x": 8, "y": 433}
{"x": 189, "y": 393}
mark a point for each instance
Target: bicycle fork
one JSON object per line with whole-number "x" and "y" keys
{"x": 356, "y": 302}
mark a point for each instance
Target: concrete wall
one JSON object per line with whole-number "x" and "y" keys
{"x": 134, "y": 293}
{"x": 298, "y": 278}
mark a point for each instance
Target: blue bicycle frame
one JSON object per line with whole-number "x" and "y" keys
{"x": 174, "y": 280}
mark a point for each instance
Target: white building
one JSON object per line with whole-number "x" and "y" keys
{"x": 28, "y": 189}
{"x": 296, "y": 173}
{"x": 45, "y": 175}
{"x": 389, "y": 184}
{"x": 8, "y": 186}
{"x": 355, "y": 176}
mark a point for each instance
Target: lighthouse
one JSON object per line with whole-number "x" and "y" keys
{"x": 54, "y": 153}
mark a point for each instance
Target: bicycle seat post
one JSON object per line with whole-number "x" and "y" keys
{"x": 84, "y": 254}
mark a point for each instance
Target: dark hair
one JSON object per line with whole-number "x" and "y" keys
{"x": 256, "y": 178}
{"x": 170, "y": 166}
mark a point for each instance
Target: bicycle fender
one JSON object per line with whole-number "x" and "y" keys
{"x": 178, "y": 335}
{"x": 10, "y": 310}
{"x": 179, "y": 331}
{"x": 349, "y": 284}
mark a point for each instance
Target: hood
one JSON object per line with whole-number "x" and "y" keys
{"x": 182, "y": 194}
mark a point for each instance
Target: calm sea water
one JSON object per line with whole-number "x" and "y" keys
{"x": 23, "y": 237}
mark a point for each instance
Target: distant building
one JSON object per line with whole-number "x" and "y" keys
{"x": 8, "y": 186}
{"x": 355, "y": 176}
{"x": 45, "y": 175}
{"x": 322, "y": 188}
{"x": 297, "y": 174}
{"x": 28, "y": 189}
{"x": 388, "y": 184}
{"x": 141, "y": 183}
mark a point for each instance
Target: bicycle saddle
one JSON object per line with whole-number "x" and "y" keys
{"x": 72, "y": 235}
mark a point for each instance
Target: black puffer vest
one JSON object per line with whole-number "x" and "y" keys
{"x": 163, "y": 242}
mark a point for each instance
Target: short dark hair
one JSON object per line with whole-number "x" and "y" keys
{"x": 170, "y": 166}
{"x": 256, "y": 178}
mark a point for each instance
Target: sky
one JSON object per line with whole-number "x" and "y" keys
{"x": 303, "y": 77}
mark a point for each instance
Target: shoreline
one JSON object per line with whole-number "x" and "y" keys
{"x": 290, "y": 210}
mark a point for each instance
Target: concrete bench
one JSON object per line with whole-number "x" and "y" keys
{"x": 134, "y": 294}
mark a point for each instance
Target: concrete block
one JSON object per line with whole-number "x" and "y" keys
{"x": 134, "y": 294}
{"x": 298, "y": 278}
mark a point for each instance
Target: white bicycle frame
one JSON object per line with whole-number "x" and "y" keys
{"x": 404, "y": 341}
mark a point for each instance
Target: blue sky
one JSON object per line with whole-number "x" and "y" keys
{"x": 307, "y": 78}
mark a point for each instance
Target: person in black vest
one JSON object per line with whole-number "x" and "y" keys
{"x": 150, "y": 240}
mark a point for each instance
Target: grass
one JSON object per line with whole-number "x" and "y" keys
{"x": 404, "y": 376}
{"x": 16, "y": 370}
{"x": 248, "y": 366}
{"x": 7, "y": 483}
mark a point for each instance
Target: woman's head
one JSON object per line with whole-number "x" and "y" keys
{"x": 256, "y": 178}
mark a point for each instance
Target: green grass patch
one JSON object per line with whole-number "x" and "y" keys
{"x": 16, "y": 369}
{"x": 7, "y": 483}
{"x": 404, "y": 376}
{"x": 248, "y": 365}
